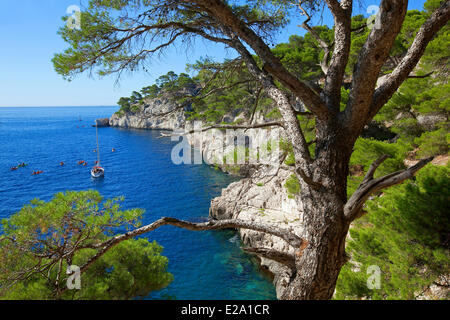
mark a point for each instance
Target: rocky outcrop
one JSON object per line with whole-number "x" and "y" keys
{"x": 101, "y": 123}
{"x": 158, "y": 113}
{"x": 429, "y": 122}
{"x": 138, "y": 121}
{"x": 263, "y": 198}
{"x": 238, "y": 152}
{"x": 438, "y": 290}
{"x": 260, "y": 196}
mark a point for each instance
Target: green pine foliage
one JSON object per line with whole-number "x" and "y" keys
{"x": 292, "y": 186}
{"x": 301, "y": 55}
{"x": 174, "y": 86}
{"x": 434, "y": 142}
{"x": 227, "y": 90}
{"x": 132, "y": 269}
{"x": 406, "y": 234}
{"x": 367, "y": 150}
{"x": 39, "y": 242}
{"x": 416, "y": 117}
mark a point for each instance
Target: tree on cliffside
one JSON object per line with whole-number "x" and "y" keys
{"x": 120, "y": 35}
{"x": 45, "y": 245}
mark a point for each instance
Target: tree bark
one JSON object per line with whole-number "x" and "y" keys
{"x": 327, "y": 214}
{"x": 321, "y": 256}
{"x": 319, "y": 262}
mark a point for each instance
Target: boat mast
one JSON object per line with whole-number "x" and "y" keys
{"x": 98, "y": 149}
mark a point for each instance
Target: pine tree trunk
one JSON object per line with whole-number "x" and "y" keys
{"x": 320, "y": 260}
{"x": 321, "y": 257}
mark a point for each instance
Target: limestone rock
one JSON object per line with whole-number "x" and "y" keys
{"x": 101, "y": 123}
{"x": 158, "y": 113}
{"x": 251, "y": 153}
{"x": 263, "y": 198}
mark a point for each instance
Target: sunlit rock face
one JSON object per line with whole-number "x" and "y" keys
{"x": 101, "y": 123}
{"x": 263, "y": 198}
{"x": 261, "y": 195}
{"x": 159, "y": 113}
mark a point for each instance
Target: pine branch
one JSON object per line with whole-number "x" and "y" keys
{"x": 370, "y": 185}
{"x": 275, "y": 255}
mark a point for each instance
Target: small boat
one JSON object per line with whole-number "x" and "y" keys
{"x": 20, "y": 165}
{"x": 97, "y": 171}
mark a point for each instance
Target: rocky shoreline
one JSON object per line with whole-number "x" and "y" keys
{"x": 260, "y": 195}
{"x": 262, "y": 198}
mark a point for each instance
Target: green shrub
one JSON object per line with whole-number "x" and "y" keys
{"x": 292, "y": 186}
{"x": 433, "y": 143}
{"x": 135, "y": 108}
{"x": 405, "y": 234}
{"x": 38, "y": 243}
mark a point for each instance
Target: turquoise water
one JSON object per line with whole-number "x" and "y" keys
{"x": 205, "y": 265}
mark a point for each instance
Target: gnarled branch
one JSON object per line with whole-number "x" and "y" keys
{"x": 370, "y": 185}
{"x": 371, "y": 59}
{"x": 425, "y": 34}
{"x": 373, "y": 167}
{"x": 275, "y": 255}
{"x": 104, "y": 247}
{"x": 228, "y": 126}
{"x": 284, "y": 234}
{"x": 220, "y": 11}
{"x": 342, "y": 13}
{"x": 315, "y": 185}
{"x": 325, "y": 47}
{"x": 255, "y": 104}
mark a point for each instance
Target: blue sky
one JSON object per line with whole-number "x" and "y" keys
{"x": 29, "y": 41}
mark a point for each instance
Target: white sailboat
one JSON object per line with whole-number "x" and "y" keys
{"x": 97, "y": 171}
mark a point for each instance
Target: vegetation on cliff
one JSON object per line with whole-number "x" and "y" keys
{"x": 43, "y": 239}
{"x": 405, "y": 233}
{"x": 407, "y": 269}
{"x": 329, "y": 89}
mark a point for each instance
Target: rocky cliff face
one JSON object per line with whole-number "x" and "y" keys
{"x": 159, "y": 113}
{"x": 101, "y": 123}
{"x": 262, "y": 197}
{"x": 261, "y": 194}
{"x": 238, "y": 152}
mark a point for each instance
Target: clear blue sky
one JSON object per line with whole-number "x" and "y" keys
{"x": 29, "y": 41}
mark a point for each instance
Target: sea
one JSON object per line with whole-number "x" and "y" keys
{"x": 206, "y": 265}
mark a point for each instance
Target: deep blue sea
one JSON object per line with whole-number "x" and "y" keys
{"x": 205, "y": 265}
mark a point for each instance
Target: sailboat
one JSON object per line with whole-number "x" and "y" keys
{"x": 97, "y": 171}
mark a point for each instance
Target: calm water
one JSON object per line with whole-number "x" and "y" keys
{"x": 205, "y": 265}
